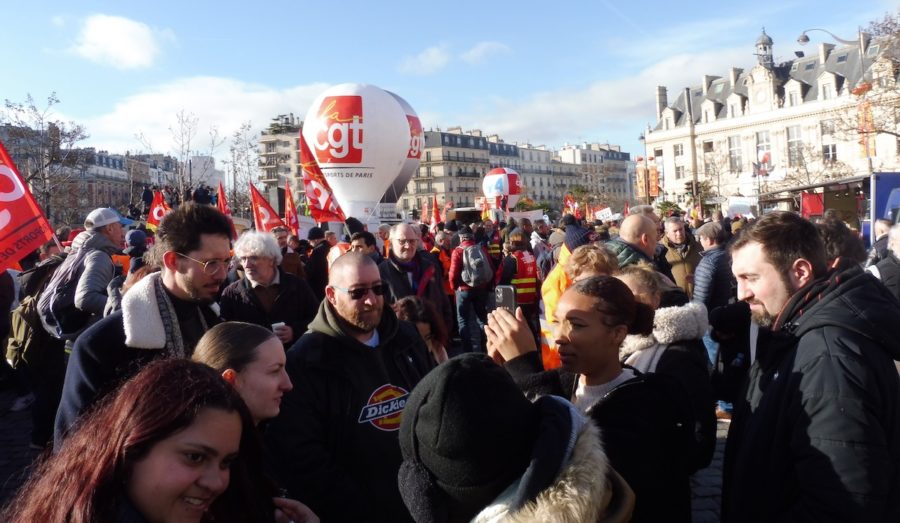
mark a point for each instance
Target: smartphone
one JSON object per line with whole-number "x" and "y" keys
{"x": 505, "y": 297}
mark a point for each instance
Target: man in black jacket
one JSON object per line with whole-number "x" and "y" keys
{"x": 267, "y": 295}
{"x": 336, "y": 436}
{"x": 317, "y": 266}
{"x": 815, "y": 435}
{"x": 163, "y": 315}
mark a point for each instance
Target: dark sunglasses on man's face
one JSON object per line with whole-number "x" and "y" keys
{"x": 361, "y": 292}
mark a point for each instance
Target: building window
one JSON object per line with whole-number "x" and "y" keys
{"x": 734, "y": 154}
{"x": 678, "y": 149}
{"x": 427, "y": 156}
{"x": 763, "y": 149}
{"x": 827, "y": 127}
{"x": 795, "y": 146}
{"x": 679, "y": 172}
{"x": 793, "y": 99}
{"x": 827, "y": 91}
{"x": 829, "y": 153}
{"x": 708, "y": 146}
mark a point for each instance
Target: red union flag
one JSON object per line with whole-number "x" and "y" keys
{"x": 290, "y": 211}
{"x": 222, "y": 205}
{"x": 340, "y": 135}
{"x": 158, "y": 209}
{"x": 23, "y": 226}
{"x": 322, "y": 205}
{"x": 264, "y": 216}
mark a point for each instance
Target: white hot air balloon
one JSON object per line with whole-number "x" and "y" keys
{"x": 360, "y": 137}
{"x": 413, "y": 156}
{"x": 502, "y": 183}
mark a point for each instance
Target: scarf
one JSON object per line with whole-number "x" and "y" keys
{"x": 174, "y": 340}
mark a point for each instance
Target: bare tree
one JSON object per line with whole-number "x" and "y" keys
{"x": 45, "y": 150}
{"x": 243, "y": 166}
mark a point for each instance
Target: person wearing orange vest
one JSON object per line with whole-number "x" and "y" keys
{"x": 520, "y": 271}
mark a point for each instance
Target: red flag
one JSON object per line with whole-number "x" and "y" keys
{"x": 158, "y": 209}
{"x": 321, "y": 203}
{"x": 447, "y": 206}
{"x": 290, "y": 211}
{"x": 625, "y": 210}
{"x": 264, "y": 216}
{"x": 23, "y": 226}
{"x": 435, "y": 214}
{"x": 222, "y": 205}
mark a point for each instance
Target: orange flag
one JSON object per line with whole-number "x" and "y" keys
{"x": 264, "y": 216}
{"x": 158, "y": 209}
{"x": 222, "y": 205}
{"x": 290, "y": 211}
{"x": 23, "y": 226}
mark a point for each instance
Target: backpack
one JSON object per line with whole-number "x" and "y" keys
{"x": 476, "y": 269}
{"x": 56, "y": 305}
{"x": 28, "y": 341}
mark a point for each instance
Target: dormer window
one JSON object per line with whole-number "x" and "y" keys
{"x": 842, "y": 58}
{"x": 793, "y": 99}
{"x": 827, "y": 91}
{"x": 810, "y": 66}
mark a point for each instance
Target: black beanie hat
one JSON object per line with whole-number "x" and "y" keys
{"x": 354, "y": 225}
{"x": 577, "y": 236}
{"x": 467, "y": 433}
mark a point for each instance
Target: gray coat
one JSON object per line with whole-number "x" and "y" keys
{"x": 90, "y": 295}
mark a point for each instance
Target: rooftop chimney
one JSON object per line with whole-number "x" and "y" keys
{"x": 733, "y": 75}
{"x": 661, "y": 100}
{"x": 824, "y": 52}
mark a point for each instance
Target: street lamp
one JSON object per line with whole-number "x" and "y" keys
{"x": 643, "y": 139}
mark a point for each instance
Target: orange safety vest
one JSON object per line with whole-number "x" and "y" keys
{"x": 525, "y": 279}
{"x": 122, "y": 260}
{"x": 445, "y": 263}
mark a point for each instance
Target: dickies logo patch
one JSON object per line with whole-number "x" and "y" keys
{"x": 384, "y": 410}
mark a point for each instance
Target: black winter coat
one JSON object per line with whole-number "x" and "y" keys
{"x": 317, "y": 269}
{"x": 336, "y": 436}
{"x": 635, "y": 420}
{"x": 816, "y": 436}
{"x": 713, "y": 281}
{"x": 295, "y": 305}
{"x": 398, "y": 285}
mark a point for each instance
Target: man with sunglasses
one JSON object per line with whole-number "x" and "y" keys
{"x": 163, "y": 315}
{"x": 336, "y": 436}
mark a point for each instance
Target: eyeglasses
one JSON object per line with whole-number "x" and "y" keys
{"x": 361, "y": 292}
{"x": 211, "y": 267}
{"x": 404, "y": 241}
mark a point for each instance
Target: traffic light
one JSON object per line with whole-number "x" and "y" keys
{"x": 414, "y": 214}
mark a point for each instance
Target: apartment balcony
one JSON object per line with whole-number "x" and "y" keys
{"x": 453, "y": 158}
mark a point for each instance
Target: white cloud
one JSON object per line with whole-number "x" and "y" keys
{"x": 119, "y": 42}
{"x": 482, "y": 51}
{"x": 427, "y": 62}
{"x": 604, "y": 109}
{"x": 220, "y": 103}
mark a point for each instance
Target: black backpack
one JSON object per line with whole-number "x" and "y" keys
{"x": 28, "y": 341}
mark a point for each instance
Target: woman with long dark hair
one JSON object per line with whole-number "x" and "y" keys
{"x": 424, "y": 315}
{"x": 645, "y": 419}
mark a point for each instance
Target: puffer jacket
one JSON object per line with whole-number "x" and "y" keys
{"x": 336, "y": 436}
{"x": 675, "y": 348}
{"x": 816, "y": 435}
{"x": 99, "y": 270}
{"x": 626, "y": 253}
{"x": 713, "y": 281}
{"x": 578, "y": 493}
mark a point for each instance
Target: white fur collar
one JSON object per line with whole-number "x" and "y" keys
{"x": 582, "y": 491}
{"x": 140, "y": 314}
{"x": 670, "y": 324}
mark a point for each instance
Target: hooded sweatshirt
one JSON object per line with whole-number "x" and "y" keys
{"x": 336, "y": 435}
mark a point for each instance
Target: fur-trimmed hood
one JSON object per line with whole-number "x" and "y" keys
{"x": 587, "y": 489}
{"x": 143, "y": 323}
{"x": 670, "y": 324}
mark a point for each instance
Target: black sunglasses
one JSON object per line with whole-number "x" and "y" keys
{"x": 361, "y": 292}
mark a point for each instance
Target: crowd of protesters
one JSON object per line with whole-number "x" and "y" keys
{"x": 375, "y": 375}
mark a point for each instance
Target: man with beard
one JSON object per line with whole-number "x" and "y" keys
{"x": 164, "y": 315}
{"x": 815, "y": 435}
{"x": 336, "y": 436}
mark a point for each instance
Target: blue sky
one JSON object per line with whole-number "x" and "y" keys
{"x": 542, "y": 72}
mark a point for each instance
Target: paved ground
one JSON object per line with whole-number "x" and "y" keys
{"x": 706, "y": 484}
{"x": 15, "y": 457}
